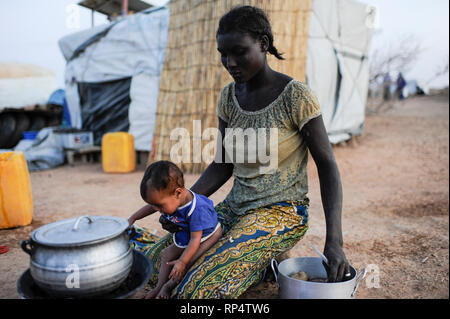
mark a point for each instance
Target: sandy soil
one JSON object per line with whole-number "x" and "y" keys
{"x": 396, "y": 204}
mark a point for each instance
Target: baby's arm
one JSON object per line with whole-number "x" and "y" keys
{"x": 180, "y": 264}
{"x": 141, "y": 213}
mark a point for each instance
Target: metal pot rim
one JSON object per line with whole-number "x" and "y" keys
{"x": 353, "y": 271}
{"x": 120, "y": 225}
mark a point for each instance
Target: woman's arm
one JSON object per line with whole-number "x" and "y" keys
{"x": 315, "y": 135}
{"x": 217, "y": 173}
{"x": 141, "y": 213}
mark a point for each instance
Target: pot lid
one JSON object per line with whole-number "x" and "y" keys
{"x": 78, "y": 231}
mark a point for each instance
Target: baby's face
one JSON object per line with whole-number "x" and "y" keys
{"x": 162, "y": 201}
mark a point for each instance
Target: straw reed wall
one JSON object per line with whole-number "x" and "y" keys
{"x": 193, "y": 75}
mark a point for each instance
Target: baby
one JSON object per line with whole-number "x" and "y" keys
{"x": 162, "y": 187}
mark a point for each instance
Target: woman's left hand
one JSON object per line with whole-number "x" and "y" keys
{"x": 338, "y": 265}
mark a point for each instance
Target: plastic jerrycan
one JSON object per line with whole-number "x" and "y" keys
{"x": 118, "y": 154}
{"x": 16, "y": 203}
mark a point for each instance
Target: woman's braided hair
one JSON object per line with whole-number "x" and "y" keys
{"x": 251, "y": 20}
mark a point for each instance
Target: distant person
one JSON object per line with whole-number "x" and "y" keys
{"x": 387, "y": 87}
{"x": 401, "y": 83}
{"x": 193, "y": 216}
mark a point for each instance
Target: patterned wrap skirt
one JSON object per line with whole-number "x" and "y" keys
{"x": 239, "y": 259}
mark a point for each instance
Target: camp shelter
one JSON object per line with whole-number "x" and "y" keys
{"x": 112, "y": 75}
{"x": 325, "y": 43}
{"x": 337, "y": 66}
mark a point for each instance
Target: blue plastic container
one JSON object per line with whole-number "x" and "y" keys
{"x": 30, "y": 135}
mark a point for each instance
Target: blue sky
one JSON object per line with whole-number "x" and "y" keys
{"x": 30, "y": 29}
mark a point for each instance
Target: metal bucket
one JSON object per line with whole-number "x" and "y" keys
{"x": 290, "y": 288}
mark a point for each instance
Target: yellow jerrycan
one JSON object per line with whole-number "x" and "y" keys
{"x": 118, "y": 153}
{"x": 16, "y": 203}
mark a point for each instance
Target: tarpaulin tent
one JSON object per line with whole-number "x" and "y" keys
{"x": 112, "y": 75}
{"x": 337, "y": 68}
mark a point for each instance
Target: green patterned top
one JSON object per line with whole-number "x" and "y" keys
{"x": 258, "y": 181}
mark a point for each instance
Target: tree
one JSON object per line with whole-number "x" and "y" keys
{"x": 395, "y": 57}
{"x": 441, "y": 70}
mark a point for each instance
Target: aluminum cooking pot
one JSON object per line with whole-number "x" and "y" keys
{"x": 80, "y": 257}
{"x": 291, "y": 288}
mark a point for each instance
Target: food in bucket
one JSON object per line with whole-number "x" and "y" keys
{"x": 301, "y": 275}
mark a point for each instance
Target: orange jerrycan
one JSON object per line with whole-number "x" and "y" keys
{"x": 118, "y": 154}
{"x": 16, "y": 203}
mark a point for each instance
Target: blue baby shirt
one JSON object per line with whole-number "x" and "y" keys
{"x": 198, "y": 214}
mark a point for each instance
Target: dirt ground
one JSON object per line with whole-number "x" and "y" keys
{"x": 396, "y": 204}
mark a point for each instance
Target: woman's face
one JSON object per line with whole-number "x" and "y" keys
{"x": 241, "y": 54}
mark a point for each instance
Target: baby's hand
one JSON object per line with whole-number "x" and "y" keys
{"x": 141, "y": 213}
{"x": 178, "y": 269}
{"x": 131, "y": 221}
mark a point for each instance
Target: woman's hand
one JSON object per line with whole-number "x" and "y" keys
{"x": 178, "y": 269}
{"x": 338, "y": 265}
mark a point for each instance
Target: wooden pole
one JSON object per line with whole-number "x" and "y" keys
{"x": 124, "y": 8}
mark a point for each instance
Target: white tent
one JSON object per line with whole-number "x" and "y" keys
{"x": 337, "y": 69}
{"x": 125, "y": 56}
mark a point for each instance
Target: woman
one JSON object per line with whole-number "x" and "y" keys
{"x": 265, "y": 213}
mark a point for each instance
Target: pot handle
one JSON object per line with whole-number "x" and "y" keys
{"x": 361, "y": 276}
{"x": 274, "y": 265}
{"x": 77, "y": 222}
{"x": 24, "y": 245}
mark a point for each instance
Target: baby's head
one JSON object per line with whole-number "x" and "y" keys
{"x": 162, "y": 186}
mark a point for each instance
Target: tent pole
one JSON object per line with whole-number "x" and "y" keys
{"x": 92, "y": 18}
{"x": 124, "y": 7}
